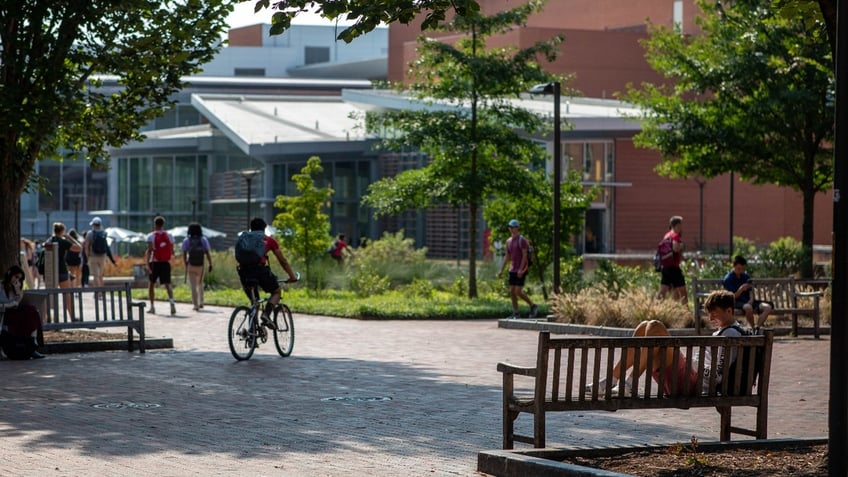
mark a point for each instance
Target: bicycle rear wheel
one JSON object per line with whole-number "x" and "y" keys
{"x": 284, "y": 330}
{"x": 242, "y": 335}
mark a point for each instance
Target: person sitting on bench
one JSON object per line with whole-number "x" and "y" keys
{"x": 21, "y": 333}
{"x": 739, "y": 283}
{"x": 719, "y": 306}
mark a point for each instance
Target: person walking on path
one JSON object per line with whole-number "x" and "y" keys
{"x": 66, "y": 244}
{"x": 73, "y": 259}
{"x": 97, "y": 251}
{"x": 160, "y": 249}
{"x": 671, "y": 254}
{"x": 196, "y": 254}
{"x": 339, "y": 249}
{"x": 517, "y": 249}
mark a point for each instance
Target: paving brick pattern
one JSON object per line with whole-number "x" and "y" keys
{"x": 95, "y": 413}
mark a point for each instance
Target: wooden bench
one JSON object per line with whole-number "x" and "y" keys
{"x": 564, "y": 366}
{"x": 785, "y": 293}
{"x": 94, "y": 307}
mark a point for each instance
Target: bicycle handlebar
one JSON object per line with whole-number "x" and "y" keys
{"x": 289, "y": 280}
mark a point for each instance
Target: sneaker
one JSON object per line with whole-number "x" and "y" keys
{"x": 534, "y": 311}
{"x": 615, "y": 391}
{"x": 152, "y": 310}
{"x": 173, "y": 309}
{"x": 266, "y": 320}
{"x": 602, "y": 384}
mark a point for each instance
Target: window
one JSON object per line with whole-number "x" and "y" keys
{"x": 677, "y": 15}
{"x": 316, "y": 54}
{"x": 249, "y": 72}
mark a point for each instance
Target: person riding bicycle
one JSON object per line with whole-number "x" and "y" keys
{"x": 261, "y": 274}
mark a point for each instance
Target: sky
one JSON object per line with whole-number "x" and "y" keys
{"x": 243, "y": 15}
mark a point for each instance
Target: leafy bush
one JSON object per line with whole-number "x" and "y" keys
{"x": 782, "y": 258}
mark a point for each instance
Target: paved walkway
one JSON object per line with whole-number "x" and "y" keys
{"x": 193, "y": 410}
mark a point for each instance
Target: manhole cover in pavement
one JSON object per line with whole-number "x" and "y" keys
{"x": 357, "y": 398}
{"x": 126, "y": 405}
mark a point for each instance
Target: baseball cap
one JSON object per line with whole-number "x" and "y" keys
{"x": 513, "y": 223}
{"x": 95, "y": 221}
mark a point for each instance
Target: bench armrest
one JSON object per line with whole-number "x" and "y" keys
{"x": 510, "y": 369}
{"x": 814, "y": 294}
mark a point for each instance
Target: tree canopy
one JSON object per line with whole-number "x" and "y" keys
{"x": 55, "y": 56}
{"x": 472, "y": 132}
{"x": 304, "y": 215}
{"x": 367, "y": 14}
{"x": 752, "y": 95}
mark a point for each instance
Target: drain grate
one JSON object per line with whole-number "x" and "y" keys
{"x": 126, "y": 405}
{"x": 356, "y": 399}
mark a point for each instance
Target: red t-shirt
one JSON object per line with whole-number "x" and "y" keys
{"x": 675, "y": 238}
{"x": 271, "y": 244}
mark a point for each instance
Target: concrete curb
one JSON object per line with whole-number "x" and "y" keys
{"x": 548, "y": 462}
{"x": 105, "y": 345}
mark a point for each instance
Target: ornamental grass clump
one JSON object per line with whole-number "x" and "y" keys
{"x": 594, "y": 306}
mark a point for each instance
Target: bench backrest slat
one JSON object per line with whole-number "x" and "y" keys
{"x": 591, "y": 361}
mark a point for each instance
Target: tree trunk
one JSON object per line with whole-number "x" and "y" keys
{"x": 10, "y": 240}
{"x": 809, "y": 196}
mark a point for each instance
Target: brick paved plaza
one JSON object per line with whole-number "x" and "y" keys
{"x": 195, "y": 411}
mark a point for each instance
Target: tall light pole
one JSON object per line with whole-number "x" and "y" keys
{"x": 75, "y": 200}
{"x": 555, "y": 89}
{"x": 701, "y": 183}
{"x": 248, "y": 175}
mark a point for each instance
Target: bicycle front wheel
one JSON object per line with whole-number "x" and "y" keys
{"x": 284, "y": 330}
{"x": 242, "y": 335}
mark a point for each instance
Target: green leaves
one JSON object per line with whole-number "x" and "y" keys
{"x": 367, "y": 14}
{"x": 751, "y": 95}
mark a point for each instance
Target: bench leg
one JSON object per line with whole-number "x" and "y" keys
{"x": 509, "y": 429}
{"x": 762, "y": 421}
{"x": 539, "y": 429}
{"x": 724, "y": 434}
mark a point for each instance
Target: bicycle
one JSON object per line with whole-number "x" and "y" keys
{"x": 247, "y": 330}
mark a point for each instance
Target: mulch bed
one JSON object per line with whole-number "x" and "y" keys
{"x": 802, "y": 460}
{"x": 70, "y": 336}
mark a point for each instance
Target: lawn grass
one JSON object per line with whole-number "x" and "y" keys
{"x": 391, "y": 305}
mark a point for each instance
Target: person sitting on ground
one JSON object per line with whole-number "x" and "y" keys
{"x": 739, "y": 283}
{"x": 261, "y": 274}
{"x": 21, "y": 331}
{"x": 719, "y": 306}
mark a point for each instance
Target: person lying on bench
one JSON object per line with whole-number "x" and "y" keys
{"x": 719, "y": 306}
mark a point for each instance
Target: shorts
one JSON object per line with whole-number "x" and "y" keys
{"x": 96, "y": 264}
{"x": 673, "y": 277}
{"x": 687, "y": 379}
{"x": 515, "y": 280}
{"x": 757, "y": 305}
{"x": 160, "y": 271}
{"x": 260, "y": 275}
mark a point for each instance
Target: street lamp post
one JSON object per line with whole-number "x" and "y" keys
{"x": 701, "y": 183}
{"x": 555, "y": 89}
{"x": 75, "y": 200}
{"x": 248, "y": 175}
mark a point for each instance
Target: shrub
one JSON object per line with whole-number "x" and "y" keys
{"x": 593, "y": 306}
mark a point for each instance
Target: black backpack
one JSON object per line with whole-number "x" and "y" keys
{"x": 195, "y": 251}
{"x": 742, "y": 364}
{"x": 99, "y": 245}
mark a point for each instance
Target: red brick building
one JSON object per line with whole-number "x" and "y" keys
{"x": 602, "y": 50}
